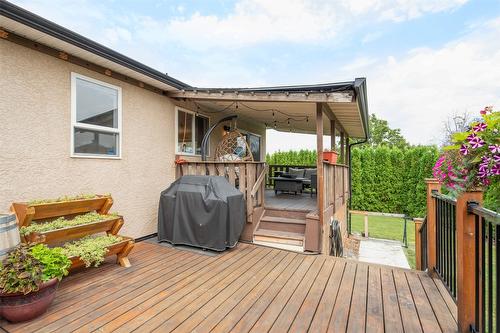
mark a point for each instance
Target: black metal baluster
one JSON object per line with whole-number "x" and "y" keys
{"x": 454, "y": 249}
{"x": 477, "y": 274}
{"x": 438, "y": 243}
{"x": 497, "y": 266}
{"x": 483, "y": 277}
{"x": 490, "y": 277}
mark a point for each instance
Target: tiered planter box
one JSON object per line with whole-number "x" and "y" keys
{"x": 40, "y": 213}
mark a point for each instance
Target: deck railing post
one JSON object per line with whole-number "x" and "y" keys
{"x": 418, "y": 243}
{"x": 432, "y": 186}
{"x": 466, "y": 295}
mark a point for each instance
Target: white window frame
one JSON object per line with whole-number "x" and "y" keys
{"x": 193, "y": 124}
{"x": 75, "y": 124}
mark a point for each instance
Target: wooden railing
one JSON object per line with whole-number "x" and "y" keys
{"x": 248, "y": 177}
{"x": 463, "y": 250}
{"x": 336, "y": 180}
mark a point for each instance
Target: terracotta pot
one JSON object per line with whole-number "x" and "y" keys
{"x": 330, "y": 156}
{"x": 19, "y": 307}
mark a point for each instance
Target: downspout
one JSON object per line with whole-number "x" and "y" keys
{"x": 360, "y": 89}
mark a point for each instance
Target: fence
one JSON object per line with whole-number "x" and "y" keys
{"x": 459, "y": 243}
{"x": 446, "y": 241}
{"x": 487, "y": 261}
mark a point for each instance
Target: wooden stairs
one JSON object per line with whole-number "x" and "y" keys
{"x": 284, "y": 229}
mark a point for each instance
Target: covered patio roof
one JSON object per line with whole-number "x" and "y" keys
{"x": 289, "y": 108}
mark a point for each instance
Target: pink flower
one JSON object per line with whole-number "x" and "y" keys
{"x": 476, "y": 142}
{"x": 483, "y": 112}
{"x": 480, "y": 127}
{"x": 464, "y": 150}
{"x": 495, "y": 170}
{"x": 496, "y": 158}
{"x": 471, "y": 137}
{"x": 495, "y": 149}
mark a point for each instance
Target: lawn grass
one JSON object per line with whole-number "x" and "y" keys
{"x": 387, "y": 228}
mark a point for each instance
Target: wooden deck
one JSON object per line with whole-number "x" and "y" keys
{"x": 247, "y": 289}
{"x": 299, "y": 201}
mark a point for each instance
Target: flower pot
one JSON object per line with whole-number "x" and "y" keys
{"x": 19, "y": 307}
{"x": 330, "y": 156}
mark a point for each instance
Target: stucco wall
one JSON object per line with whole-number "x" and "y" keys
{"x": 35, "y": 139}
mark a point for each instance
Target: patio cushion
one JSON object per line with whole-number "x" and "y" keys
{"x": 299, "y": 173}
{"x": 309, "y": 172}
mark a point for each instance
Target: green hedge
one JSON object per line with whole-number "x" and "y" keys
{"x": 391, "y": 179}
{"x": 385, "y": 179}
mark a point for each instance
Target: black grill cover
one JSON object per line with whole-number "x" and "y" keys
{"x": 202, "y": 211}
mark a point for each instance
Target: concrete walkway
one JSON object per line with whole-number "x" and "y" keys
{"x": 384, "y": 252}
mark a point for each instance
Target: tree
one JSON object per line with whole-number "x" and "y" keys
{"x": 382, "y": 135}
{"x": 458, "y": 122}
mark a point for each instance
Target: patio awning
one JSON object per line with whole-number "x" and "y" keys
{"x": 288, "y": 108}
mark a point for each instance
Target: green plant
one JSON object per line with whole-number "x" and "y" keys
{"x": 474, "y": 158}
{"x": 91, "y": 250}
{"x": 62, "y": 222}
{"x": 26, "y": 267}
{"x": 20, "y": 272}
{"x": 66, "y": 198}
{"x": 55, "y": 262}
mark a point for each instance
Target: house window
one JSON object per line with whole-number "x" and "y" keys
{"x": 95, "y": 118}
{"x": 191, "y": 129}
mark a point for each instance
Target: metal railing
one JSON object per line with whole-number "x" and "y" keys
{"x": 446, "y": 241}
{"x": 487, "y": 261}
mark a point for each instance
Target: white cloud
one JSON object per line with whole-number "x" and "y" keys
{"x": 297, "y": 21}
{"x": 419, "y": 90}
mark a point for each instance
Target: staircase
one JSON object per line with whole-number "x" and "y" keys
{"x": 284, "y": 229}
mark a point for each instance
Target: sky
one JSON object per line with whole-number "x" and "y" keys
{"x": 424, "y": 60}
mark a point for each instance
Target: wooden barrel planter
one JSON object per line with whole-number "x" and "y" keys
{"x": 9, "y": 234}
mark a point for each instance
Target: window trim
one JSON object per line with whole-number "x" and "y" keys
{"x": 177, "y": 152}
{"x": 242, "y": 131}
{"x": 75, "y": 124}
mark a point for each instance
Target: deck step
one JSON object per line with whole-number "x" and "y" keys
{"x": 282, "y": 237}
{"x": 287, "y": 220}
{"x": 291, "y": 214}
{"x": 295, "y": 225}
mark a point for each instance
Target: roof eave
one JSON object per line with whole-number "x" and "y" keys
{"x": 34, "y": 21}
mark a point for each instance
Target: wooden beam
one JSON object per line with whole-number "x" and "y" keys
{"x": 63, "y": 56}
{"x": 347, "y": 156}
{"x": 432, "y": 185}
{"x": 224, "y": 95}
{"x": 331, "y": 115}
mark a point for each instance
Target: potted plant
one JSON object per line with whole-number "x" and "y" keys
{"x": 29, "y": 277}
{"x": 472, "y": 162}
{"x": 330, "y": 156}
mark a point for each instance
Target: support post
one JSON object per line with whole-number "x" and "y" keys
{"x": 432, "y": 185}
{"x": 333, "y": 141}
{"x": 466, "y": 295}
{"x": 347, "y": 156}
{"x": 418, "y": 243}
{"x": 320, "y": 186}
{"x": 366, "y": 225}
{"x": 342, "y": 156}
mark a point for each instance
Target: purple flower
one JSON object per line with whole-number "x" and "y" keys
{"x": 496, "y": 158}
{"x": 471, "y": 137}
{"x": 480, "y": 127}
{"x": 495, "y": 149}
{"x": 476, "y": 142}
{"x": 495, "y": 170}
{"x": 464, "y": 150}
{"x": 483, "y": 173}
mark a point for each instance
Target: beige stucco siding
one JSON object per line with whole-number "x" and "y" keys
{"x": 35, "y": 140}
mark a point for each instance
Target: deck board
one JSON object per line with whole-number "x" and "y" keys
{"x": 248, "y": 288}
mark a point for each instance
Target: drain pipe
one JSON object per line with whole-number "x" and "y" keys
{"x": 350, "y": 181}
